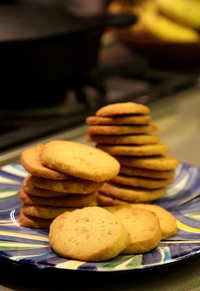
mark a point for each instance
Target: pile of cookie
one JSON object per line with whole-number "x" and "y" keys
{"x": 63, "y": 176}
{"x": 125, "y": 131}
{"x": 101, "y": 233}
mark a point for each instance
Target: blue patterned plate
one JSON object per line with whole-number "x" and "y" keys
{"x": 30, "y": 246}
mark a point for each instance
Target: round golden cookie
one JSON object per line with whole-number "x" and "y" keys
{"x": 148, "y": 183}
{"x": 73, "y": 200}
{"x": 29, "y": 188}
{"x": 75, "y": 186}
{"x": 138, "y": 172}
{"x": 132, "y": 119}
{"x": 122, "y": 109}
{"x": 33, "y": 222}
{"x": 159, "y": 163}
{"x": 80, "y": 160}
{"x": 121, "y": 129}
{"x": 167, "y": 220}
{"x": 131, "y": 194}
{"x": 105, "y": 200}
{"x": 30, "y": 160}
{"x": 124, "y": 139}
{"x": 80, "y": 234}
{"x": 46, "y": 212}
{"x": 143, "y": 227}
{"x": 133, "y": 150}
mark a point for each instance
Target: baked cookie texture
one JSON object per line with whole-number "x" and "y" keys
{"x": 143, "y": 227}
{"x": 30, "y": 160}
{"x": 101, "y": 233}
{"x": 167, "y": 221}
{"x": 129, "y": 194}
{"x": 63, "y": 175}
{"x": 136, "y": 150}
{"x": 79, "y": 160}
{"x": 77, "y": 200}
{"x": 141, "y": 172}
{"x": 140, "y": 119}
{"x": 139, "y": 139}
{"x": 123, "y": 108}
{"x": 33, "y": 221}
{"x": 121, "y": 129}
{"x": 33, "y": 190}
{"x": 126, "y": 131}
{"x": 90, "y": 234}
{"x": 44, "y": 212}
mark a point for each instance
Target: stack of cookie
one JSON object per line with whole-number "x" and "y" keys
{"x": 63, "y": 176}
{"x": 125, "y": 131}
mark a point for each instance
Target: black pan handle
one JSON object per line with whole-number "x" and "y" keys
{"x": 112, "y": 20}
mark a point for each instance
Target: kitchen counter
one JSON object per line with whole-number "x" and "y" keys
{"x": 179, "y": 116}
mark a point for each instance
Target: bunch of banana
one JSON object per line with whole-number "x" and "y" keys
{"x": 168, "y": 20}
{"x": 186, "y": 12}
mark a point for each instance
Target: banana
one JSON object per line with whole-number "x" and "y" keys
{"x": 168, "y": 30}
{"x": 162, "y": 18}
{"x": 186, "y": 12}
{"x": 149, "y": 5}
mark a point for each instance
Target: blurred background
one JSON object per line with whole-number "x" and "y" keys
{"x": 63, "y": 59}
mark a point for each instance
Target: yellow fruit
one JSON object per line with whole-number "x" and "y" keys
{"x": 168, "y": 30}
{"x": 149, "y": 5}
{"x": 183, "y": 11}
{"x": 168, "y": 20}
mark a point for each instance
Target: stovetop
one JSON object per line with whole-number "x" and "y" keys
{"x": 130, "y": 81}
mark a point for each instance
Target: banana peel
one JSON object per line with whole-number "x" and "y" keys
{"x": 186, "y": 12}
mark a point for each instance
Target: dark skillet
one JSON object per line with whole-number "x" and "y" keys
{"x": 44, "y": 49}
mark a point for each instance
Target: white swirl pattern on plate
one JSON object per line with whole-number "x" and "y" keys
{"x": 31, "y": 246}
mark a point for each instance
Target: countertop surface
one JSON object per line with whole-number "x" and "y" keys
{"x": 179, "y": 116}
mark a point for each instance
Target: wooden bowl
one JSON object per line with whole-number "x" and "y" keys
{"x": 163, "y": 54}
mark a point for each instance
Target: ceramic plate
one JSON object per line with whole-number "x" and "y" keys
{"x": 31, "y": 246}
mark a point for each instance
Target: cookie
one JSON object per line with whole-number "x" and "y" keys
{"x": 124, "y": 139}
{"x": 132, "y": 150}
{"x": 75, "y": 186}
{"x": 160, "y": 163}
{"x": 29, "y": 188}
{"x": 80, "y": 234}
{"x": 143, "y": 227}
{"x": 138, "y": 172}
{"x": 46, "y": 212}
{"x": 122, "y": 109}
{"x": 121, "y": 129}
{"x": 79, "y": 160}
{"x": 73, "y": 200}
{"x": 30, "y": 160}
{"x": 107, "y": 200}
{"x": 131, "y": 194}
{"x": 132, "y": 119}
{"x": 148, "y": 183}
{"x": 167, "y": 220}
{"x": 33, "y": 222}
